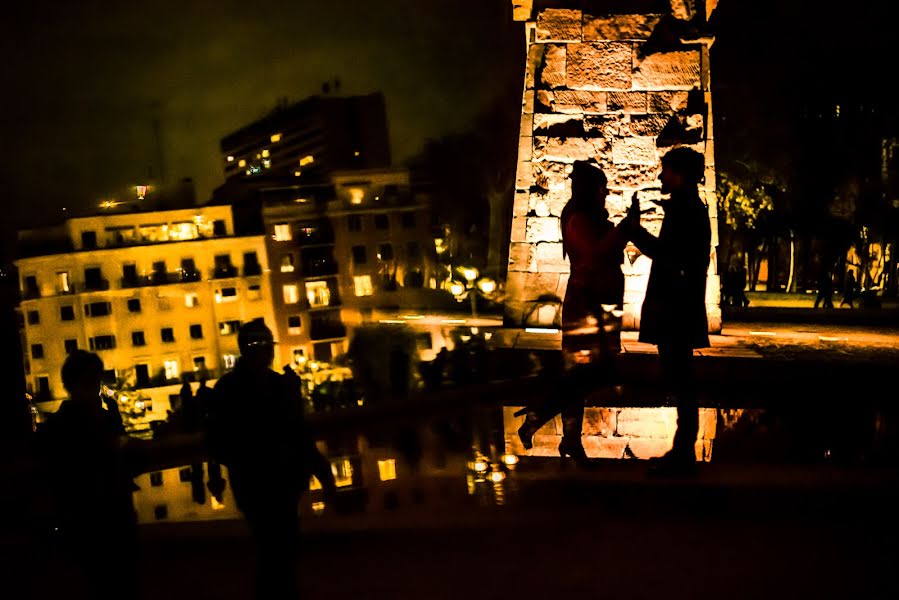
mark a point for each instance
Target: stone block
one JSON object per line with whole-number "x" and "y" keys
{"x": 520, "y": 257}
{"x": 667, "y": 70}
{"x": 563, "y": 284}
{"x": 546, "y": 121}
{"x": 559, "y": 25}
{"x": 666, "y": 102}
{"x": 524, "y": 176}
{"x": 599, "y": 66}
{"x": 648, "y": 448}
{"x": 532, "y": 65}
{"x": 556, "y": 199}
{"x": 599, "y": 421}
{"x": 705, "y": 74}
{"x": 525, "y": 148}
{"x": 634, "y": 151}
{"x": 553, "y": 73}
{"x": 527, "y": 125}
{"x": 609, "y": 126}
{"x": 519, "y": 229}
{"x": 633, "y": 177}
{"x": 567, "y": 150}
{"x": 543, "y": 229}
{"x": 545, "y": 445}
{"x": 540, "y": 284}
{"x": 647, "y": 125}
{"x": 549, "y": 257}
{"x": 539, "y": 206}
{"x": 619, "y": 27}
{"x": 579, "y": 101}
{"x": 520, "y": 203}
{"x": 521, "y": 9}
{"x": 527, "y": 102}
{"x": 683, "y": 9}
{"x": 708, "y": 423}
{"x": 601, "y": 447}
{"x": 627, "y": 102}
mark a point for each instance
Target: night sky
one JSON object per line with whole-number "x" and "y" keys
{"x": 82, "y": 78}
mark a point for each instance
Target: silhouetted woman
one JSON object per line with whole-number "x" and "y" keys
{"x": 590, "y": 330}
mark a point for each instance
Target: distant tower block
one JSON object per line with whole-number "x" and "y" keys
{"x": 621, "y": 89}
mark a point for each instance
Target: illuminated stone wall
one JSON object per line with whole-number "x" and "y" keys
{"x": 621, "y": 89}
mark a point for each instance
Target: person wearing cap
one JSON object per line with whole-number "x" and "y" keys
{"x": 673, "y": 316}
{"x": 256, "y": 429}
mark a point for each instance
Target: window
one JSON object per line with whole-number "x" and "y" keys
{"x": 43, "y": 387}
{"x": 161, "y": 512}
{"x": 362, "y": 283}
{"x": 218, "y": 227}
{"x": 102, "y": 342}
{"x": 31, "y": 288}
{"x": 191, "y": 300}
{"x": 93, "y": 278}
{"x": 343, "y": 472}
{"x": 156, "y": 479}
{"x": 88, "y": 239}
{"x": 37, "y": 351}
{"x": 291, "y": 293}
{"x": 141, "y": 375}
{"x": 223, "y": 266}
{"x": 129, "y": 275}
{"x": 382, "y": 222}
{"x": 196, "y": 331}
{"x": 138, "y": 339}
{"x": 387, "y": 469}
{"x": 354, "y": 222}
{"x": 413, "y": 251}
{"x": 251, "y": 264}
{"x": 168, "y": 335}
{"x": 408, "y": 220}
{"x": 171, "y": 369}
{"x": 282, "y": 232}
{"x": 229, "y": 360}
{"x": 287, "y": 263}
{"x": 189, "y": 270}
{"x": 98, "y": 309}
{"x": 67, "y": 313}
{"x": 62, "y": 282}
{"x": 359, "y": 255}
{"x": 229, "y": 327}
{"x": 199, "y": 363}
{"x": 317, "y": 293}
{"x": 294, "y": 325}
{"x": 71, "y": 346}
{"x": 134, "y": 305}
{"x": 34, "y": 317}
{"x": 254, "y": 291}
{"x": 385, "y": 252}
{"x": 299, "y": 356}
{"x": 228, "y": 294}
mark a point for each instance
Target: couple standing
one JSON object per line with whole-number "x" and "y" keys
{"x": 673, "y": 315}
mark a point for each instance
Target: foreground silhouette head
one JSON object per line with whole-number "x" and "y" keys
{"x": 256, "y": 343}
{"x": 682, "y": 169}
{"x": 82, "y": 375}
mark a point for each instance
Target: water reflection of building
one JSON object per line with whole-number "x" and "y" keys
{"x": 157, "y": 295}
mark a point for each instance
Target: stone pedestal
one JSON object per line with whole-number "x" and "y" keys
{"x": 621, "y": 89}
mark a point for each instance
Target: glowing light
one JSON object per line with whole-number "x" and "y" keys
{"x": 307, "y": 160}
{"x": 297, "y": 173}
{"x": 356, "y": 153}
{"x": 387, "y": 469}
{"x": 488, "y": 286}
{"x": 480, "y": 466}
{"x": 474, "y": 330}
{"x": 301, "y": 200}
{"x": 453, "y": 321}
{"x": 540, "y": 330}
{"x": 318, "y": 507}
{"x": 497, "y": 476}
{"x": 362, "y": 285}
{"x": 488, "y": 335}
{"x": 763, "y": 333}
{"x": 267, "y": 163}
{"x": 392, "y": 321}
{"x": 276, "y": 137}
{"x": 356, "y": 195}
{"x": 457, "y": 289}
{"x": 265, "y": 153}
{"x": 230, "y": 159}
{"x": 141, "y": 191}
{"x": 465, "y": 338}
{"x": 440, "y": 245}
{"x": 413, "y": 317}
{"x": 469, "y": 273}
{"x": 242, "y": 163}
{"x": 109, "y": 204}
{"x": 510, "y": 460}
{"x": 216, "y": 505}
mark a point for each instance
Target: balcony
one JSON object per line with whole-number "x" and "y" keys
{"x": 224, "y": 272}
{"x": 252, "y": 270}
{"x": 319, "y": 267}
{"x": 97, "y": 285}
{"x": 160, "y": 278}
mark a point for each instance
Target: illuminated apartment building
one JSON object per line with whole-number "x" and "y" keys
{"x": 339, "y": 251}
{"x": 156, "y": 294}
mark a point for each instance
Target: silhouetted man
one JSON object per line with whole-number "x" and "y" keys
{"x": 674, "y": 314}
{"x": 256, "y": 429}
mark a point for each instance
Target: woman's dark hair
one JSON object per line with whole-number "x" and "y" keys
{"x": 586, "y": 180}
{"x": 81, "y": 365}
{"x": 689, "y": 163}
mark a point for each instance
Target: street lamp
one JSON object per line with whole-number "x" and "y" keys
{"x": 471, "y": 287}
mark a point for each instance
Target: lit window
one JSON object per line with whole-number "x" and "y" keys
{"x": 230, "y": 159}
{"x": 356, "y": 153}
{"x": 171, "y": 369}
{"x": 267, "y": 163}
{"x": 282, "y": 232}
{"x": 317, "y": 293}
{"x": 387, "y": 469}
{"x": 242, "y": 163}
{"x": 299, "y": 356}
{"x": 294, "y": 325}
{"x": 291, "y": 294}
{"x": 276, "y": 137}
{"x": 191, "y": 300}
{"x": 229, "y": 360}
{"x": 287, "y": 264}
{"x": 62, "y": 279}
{"x": 228, "y": 294}
{"x": 297, "y": 173}
{"x": 307, "y": 160}
{"x": 182, "y": 231}
{"x": 229, "y": 327}
{"x": 363, "y": 286}
{"x": 266, "y": 153}
{"x": 356, "y": 195}
{"x": 343, "y": 472}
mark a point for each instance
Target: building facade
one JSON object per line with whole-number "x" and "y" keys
{"x": 339, "y": 251}
{"x": 157, "y": 295}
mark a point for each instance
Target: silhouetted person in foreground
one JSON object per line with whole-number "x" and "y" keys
{"x": 825, "y": 290}
{"x": 591, "y": 335}
{"x": 257, "y": 430}
{"x": 92, "y": 481}
{"x": 674, "y": 313}
{"x": 850, "y": 290}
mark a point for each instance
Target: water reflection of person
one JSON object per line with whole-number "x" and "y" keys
{"x": 590, "y": 337}
{"x": 92, "y": 479}
{"x": 256, "y": 429}
{"x": 673, "y": 316}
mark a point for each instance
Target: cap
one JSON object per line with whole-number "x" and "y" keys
{"x": 254, "y": 333}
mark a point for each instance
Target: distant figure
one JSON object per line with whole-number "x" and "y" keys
{"x": 256, "y": 429}
{"x": 92, "y": 480}
{"x": 204, "y": 398}
{"x": 590, "y": 330}
{"x": 192, "y": 417}
{"x": 849, "y": 291}
{"x": 737, "y": 279}
{"x": 674, "y": 313}
{"x": 825, "y": 289}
